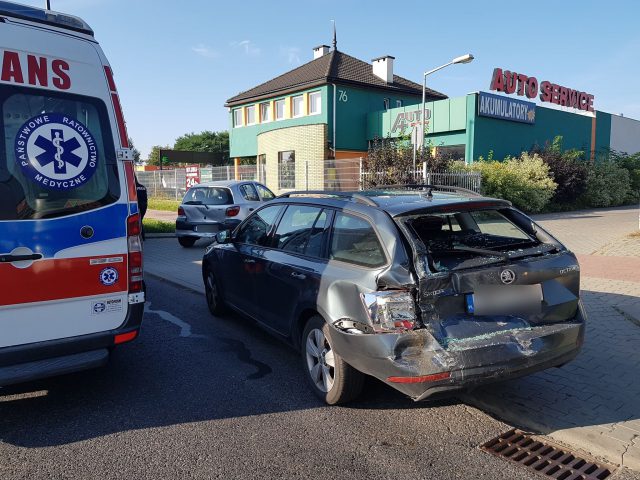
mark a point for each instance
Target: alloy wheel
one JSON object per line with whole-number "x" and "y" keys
{"x": 320, "y": 360}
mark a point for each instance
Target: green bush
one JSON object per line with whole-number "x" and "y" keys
{"x": 524, "y": 181}
{"x": 608, "y": 185}
{"x": 631, "y": 163}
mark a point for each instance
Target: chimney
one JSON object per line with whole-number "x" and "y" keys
{"x": 383, "y": 68}
{"x": 320, "y": 51}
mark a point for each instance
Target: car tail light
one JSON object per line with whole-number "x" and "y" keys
{"x": 125, "y": 337}
{"x": 422, "y": 379}
{"x": 232, "y": 211}
{"x": 181, "y": 212}
{"x": 390, "y": 311}
{"x": 134, "y": 246}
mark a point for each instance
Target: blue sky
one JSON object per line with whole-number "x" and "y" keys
{"x": 177, "y": 62}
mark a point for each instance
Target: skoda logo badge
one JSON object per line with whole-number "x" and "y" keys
{"x": 507, "y": 276}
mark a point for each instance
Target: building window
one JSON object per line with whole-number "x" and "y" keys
{"x": 386, "y": 103}
{"x": 251, "y": 115}
{"x": 279, "y": 109}
{"x": 296, "y": 106}
{"x": 398, "y": 103}
{"x": 264, "y": 112}
{"x": 286, "y": 170}
{"x": 315, "y": 103}
{"x": 237, "y": 117}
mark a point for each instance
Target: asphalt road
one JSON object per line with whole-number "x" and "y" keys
{"x": 198, "y": 397}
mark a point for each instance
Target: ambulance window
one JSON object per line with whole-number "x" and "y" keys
{"x": 57, "y": 156}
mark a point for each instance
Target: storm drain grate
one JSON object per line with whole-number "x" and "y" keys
{"x": 549, "y": 460}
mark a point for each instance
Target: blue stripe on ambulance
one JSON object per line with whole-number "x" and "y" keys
{"x": 49, "y": 236}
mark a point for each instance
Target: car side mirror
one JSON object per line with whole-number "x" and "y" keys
{"x": 223, "y": 237}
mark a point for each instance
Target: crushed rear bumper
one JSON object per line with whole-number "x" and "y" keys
{"x": 468, "y": 361}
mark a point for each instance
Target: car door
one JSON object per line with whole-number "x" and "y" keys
{"x": 238, "y": 267}
{"x": 288, "y": 275}
{"x": 250, "y": 199}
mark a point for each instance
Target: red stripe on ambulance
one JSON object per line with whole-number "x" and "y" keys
{"x": 62, "y": 279}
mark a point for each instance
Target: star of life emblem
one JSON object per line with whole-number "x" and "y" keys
{"x": 56, "y": 151}
{"x": 109, "y": 276}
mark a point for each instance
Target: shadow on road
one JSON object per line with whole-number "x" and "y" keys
{"x": 229, "y": 368}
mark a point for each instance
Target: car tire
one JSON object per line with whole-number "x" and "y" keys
{"x": 212, "y": 294}
{"x": 187, "y": 242}
{"x": 334, "y": 384}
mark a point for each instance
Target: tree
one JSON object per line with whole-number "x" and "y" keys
{"x": 206, "y": 141}
{"x": 136, "y": 152}
{"x": 154, "y": 155}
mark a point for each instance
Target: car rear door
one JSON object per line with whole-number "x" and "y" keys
{"x": 207, "y": 205}
{"x": 287, "y": 277}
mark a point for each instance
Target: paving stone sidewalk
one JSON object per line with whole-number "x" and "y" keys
{"x": 592, "y": 403}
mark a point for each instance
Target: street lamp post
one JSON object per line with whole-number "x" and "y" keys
{"x": 462, "y": 59}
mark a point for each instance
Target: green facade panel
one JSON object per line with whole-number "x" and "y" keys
{"x": 505, "y": 138}
{"x": 603, "y": 131}
{"x": 353, "y": 106}
{"x": 442, "y": 116}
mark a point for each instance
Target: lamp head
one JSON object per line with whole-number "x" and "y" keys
{"x": 463, "y": 59}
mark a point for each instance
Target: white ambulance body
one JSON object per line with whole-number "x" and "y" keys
{"x": 71, "y": 283}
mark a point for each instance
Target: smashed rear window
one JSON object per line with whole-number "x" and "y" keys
{"x": 467, "y": 239}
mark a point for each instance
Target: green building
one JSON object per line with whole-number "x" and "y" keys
{"x": 316, "y": 112}
{"x": 333, "y": 106}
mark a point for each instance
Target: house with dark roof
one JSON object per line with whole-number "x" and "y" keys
{"x": 315, "y": 112}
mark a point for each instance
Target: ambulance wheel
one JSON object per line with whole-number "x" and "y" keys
{"x": 187, "y": 242}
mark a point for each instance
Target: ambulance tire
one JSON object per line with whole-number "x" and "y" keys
{"x": 187, "y": 242}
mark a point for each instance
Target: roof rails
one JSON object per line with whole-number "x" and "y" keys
{"x": 355, "y": 197}
{"x": 49, "y": 17}
{"x": 429, "y": 188}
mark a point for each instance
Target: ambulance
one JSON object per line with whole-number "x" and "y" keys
{"x": 71, "y": 279}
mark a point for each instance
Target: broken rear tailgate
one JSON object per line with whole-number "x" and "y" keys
{"x": 444, "y": 298}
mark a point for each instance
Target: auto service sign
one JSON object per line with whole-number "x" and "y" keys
{"x": 510, "y": 82}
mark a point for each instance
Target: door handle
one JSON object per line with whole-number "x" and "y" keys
{"x": 299, "y": 276}
{"x": 251, "y": 209}
{"x": 249, "y": 260}
{"x": 19, "y": 258}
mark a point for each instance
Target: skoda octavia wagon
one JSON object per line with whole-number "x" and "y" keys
{"x": 426, "y": 289}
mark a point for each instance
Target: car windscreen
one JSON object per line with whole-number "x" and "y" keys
{"x": 208, "y": 196}
{"x": 470, "y": 238}
{"x": 57, "y": 155}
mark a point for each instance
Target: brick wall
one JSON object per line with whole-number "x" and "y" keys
{"x": 309, "y": 142}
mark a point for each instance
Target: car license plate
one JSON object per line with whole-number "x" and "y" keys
{"x": 505, "y": 300}
{"x": 207, "y": 228}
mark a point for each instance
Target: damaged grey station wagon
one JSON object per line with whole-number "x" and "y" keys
{"x": 429, "y": 289}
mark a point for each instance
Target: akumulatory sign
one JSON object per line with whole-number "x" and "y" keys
{"x": 512, "y": 82}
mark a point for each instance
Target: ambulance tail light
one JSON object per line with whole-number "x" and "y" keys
{"x": 131, "y": 181}
{"x": 115, "y": 99}
{"x": 134, "y": 244}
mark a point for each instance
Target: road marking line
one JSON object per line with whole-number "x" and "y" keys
{"x": 185, "y": 328}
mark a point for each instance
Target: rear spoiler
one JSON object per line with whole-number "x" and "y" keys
{"x": 467, "y": 205}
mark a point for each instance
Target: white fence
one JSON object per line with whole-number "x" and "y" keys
{"x": 337, "y": 175}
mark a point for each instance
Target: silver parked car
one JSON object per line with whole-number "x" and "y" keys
{"x": 215, "y": 206}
